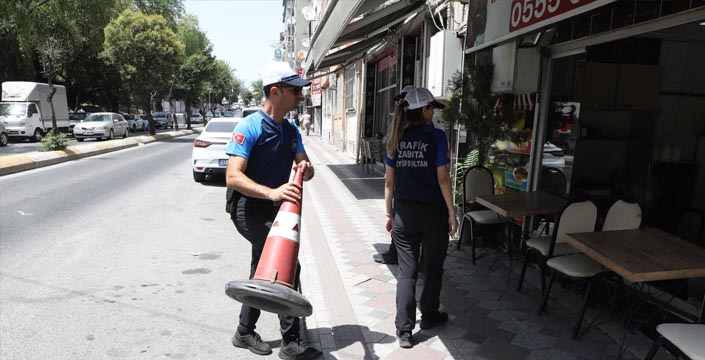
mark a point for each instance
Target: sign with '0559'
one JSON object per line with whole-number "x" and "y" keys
{"x": 527, "y": 12}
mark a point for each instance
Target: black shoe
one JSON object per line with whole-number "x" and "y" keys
{"x": 388, "y": 257}
{"x": 298, "y": 350}
{"x": 428, "y": 322}
{"x": 405, "y": 340}
{"x": 251, "y": 341}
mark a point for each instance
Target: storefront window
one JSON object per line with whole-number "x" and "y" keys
{"x": 386, "y": 90}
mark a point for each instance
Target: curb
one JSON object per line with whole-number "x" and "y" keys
{"x": 17, "y": 163}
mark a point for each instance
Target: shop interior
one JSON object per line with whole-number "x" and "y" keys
{"x": 630, "y": 117}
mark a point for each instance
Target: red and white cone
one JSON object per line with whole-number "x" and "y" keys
{"x": 272, "y": 287}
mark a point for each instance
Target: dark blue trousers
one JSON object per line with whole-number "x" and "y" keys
{"x": 253, "y": 219}
{"x": 415, "y": 224}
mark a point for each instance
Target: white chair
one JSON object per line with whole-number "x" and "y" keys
{"x": 621, "y": 216}
{"x": 685, "y": 339}
{"x": 477, "y": 181}
{"x": 574, "y": 217}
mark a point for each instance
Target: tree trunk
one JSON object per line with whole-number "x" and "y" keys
{"x": 150, "y": 120}
{"x": 50, "y": 97}
{"x": 188, "y": 114}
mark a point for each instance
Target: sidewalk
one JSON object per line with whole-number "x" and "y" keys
{"x": 354, "y": 298}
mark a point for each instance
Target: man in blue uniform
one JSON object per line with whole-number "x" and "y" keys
{"x": 263, "y": 149}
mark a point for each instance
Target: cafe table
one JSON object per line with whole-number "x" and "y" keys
{"x": 521, "y": 204}
{"x": 643, "y": 255}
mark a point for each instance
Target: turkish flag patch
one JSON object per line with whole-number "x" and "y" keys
{"x": 239, "y": 138}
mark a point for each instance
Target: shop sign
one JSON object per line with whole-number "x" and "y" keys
{"x": 316, "y": 87}
{"x": 494, "y": 21}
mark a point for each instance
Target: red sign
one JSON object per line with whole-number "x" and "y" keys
{"x": 300, "y": 70}
{"x": 316, "y": 87}
{"x": 527, "y": 12}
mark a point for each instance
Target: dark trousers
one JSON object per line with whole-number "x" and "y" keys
{"x": 253, "y": 219}
{"x": 415, "y": 224}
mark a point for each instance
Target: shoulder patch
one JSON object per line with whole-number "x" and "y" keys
{"x": 239, "y": 138}
{"x": 448, "y": 155}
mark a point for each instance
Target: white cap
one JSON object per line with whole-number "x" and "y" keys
{"x": 419, "y": 97}
{"x": 403, "y": 92}
{"x": 281, "y": 72}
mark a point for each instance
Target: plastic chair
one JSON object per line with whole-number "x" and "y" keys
{"x": 575, "y": 217}
{"x": 623, "y": 215}
{"x": 477, "y": 181}
{"x": 552, "y": 181}
{"x": 685, "y": 340}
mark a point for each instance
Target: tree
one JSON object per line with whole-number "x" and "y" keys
{"x": 472, "y": 104}
{"x": 145, "y": 52}
{"x": 170, "y": 10}
{"x": 257, "y": 90}
{"x": 51, "y": 53}
{"x": 198, "y": 67}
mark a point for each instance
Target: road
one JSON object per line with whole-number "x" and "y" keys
{"x": 22, "y": 146}
{"x": 121, "y": 255}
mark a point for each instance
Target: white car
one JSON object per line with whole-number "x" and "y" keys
{"x": 208, "y": 155}
{"x": 196, "y": 118}
{"x": 134, "y": 122}
{"x": 553, "y": 156}
{"x": 103, "y": 125}
{"x": 4, "y": 140}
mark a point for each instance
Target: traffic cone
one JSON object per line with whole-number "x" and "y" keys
{"x": 272, "y": 287}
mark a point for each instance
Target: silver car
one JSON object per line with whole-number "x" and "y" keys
{"x": 104, "y": 125}
{"x": 134, "y": 122}
{"x": 3, "y": 135}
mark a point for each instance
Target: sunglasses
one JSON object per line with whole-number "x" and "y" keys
{"x": 296, "y": 89}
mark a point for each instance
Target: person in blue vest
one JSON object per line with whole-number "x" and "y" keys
{"x": 263, "y": 149}
{"x": 417, "y": 188}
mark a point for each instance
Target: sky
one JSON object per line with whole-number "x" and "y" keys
{"x": 244, "y": 33}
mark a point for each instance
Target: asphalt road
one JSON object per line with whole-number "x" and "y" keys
{"x": 22, "y": 146}
{"x": 122, "y": 256}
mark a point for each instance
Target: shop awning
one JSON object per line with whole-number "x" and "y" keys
{"x": 350, "y": 52}
{"x": 337, "y": 30}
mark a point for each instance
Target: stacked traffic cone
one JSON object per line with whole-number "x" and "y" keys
{"x": 272, "y": 287}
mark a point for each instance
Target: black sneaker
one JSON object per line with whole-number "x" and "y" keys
{"x": 251, "y": 341}
{"x": 405, "y": 340}
{"x": 298, "y": 350}
{"x": 389, "y": 257}
{"x": 428, "y": 322}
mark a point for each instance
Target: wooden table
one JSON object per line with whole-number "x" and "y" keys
{"x": 643, "y": 254}
{"x": 522, "y": 203}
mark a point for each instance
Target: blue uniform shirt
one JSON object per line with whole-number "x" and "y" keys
{"x": 268, "y": 147}
{"x": 421, "y": 150}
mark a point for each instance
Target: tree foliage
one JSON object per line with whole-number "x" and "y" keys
{"x": 472, "y": 104}
{"x": 146, "y": 54}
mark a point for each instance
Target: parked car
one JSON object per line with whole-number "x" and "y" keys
{"x": 208, "y": 155}
{"x": 209, "y": 115}
{"x": 196, "y": 118}
{"x": 249, "y": 110}
{"x": 145, "y": 122}
{"x": 4, "y": 139}
{"x": 76, "y": 118}
{"x": 134, "y": 122}
{"x": 103, "y": 125}
{"x": 161, "y": 120}
{"x": 553, "y": 156}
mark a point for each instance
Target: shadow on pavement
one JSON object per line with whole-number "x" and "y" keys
{"x": 346, "y": 335}
{"x": 361, "y": 184}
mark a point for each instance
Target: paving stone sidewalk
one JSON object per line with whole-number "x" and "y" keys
{"x": 354, "y": 297}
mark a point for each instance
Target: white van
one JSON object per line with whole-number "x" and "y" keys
{"x": 26, "y": 111}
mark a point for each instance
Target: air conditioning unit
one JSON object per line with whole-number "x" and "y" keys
{"x": 446, "y": 53}
{"x": 516, "y": 69}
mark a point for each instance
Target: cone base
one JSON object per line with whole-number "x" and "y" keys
{"x": 266, "y": 296}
